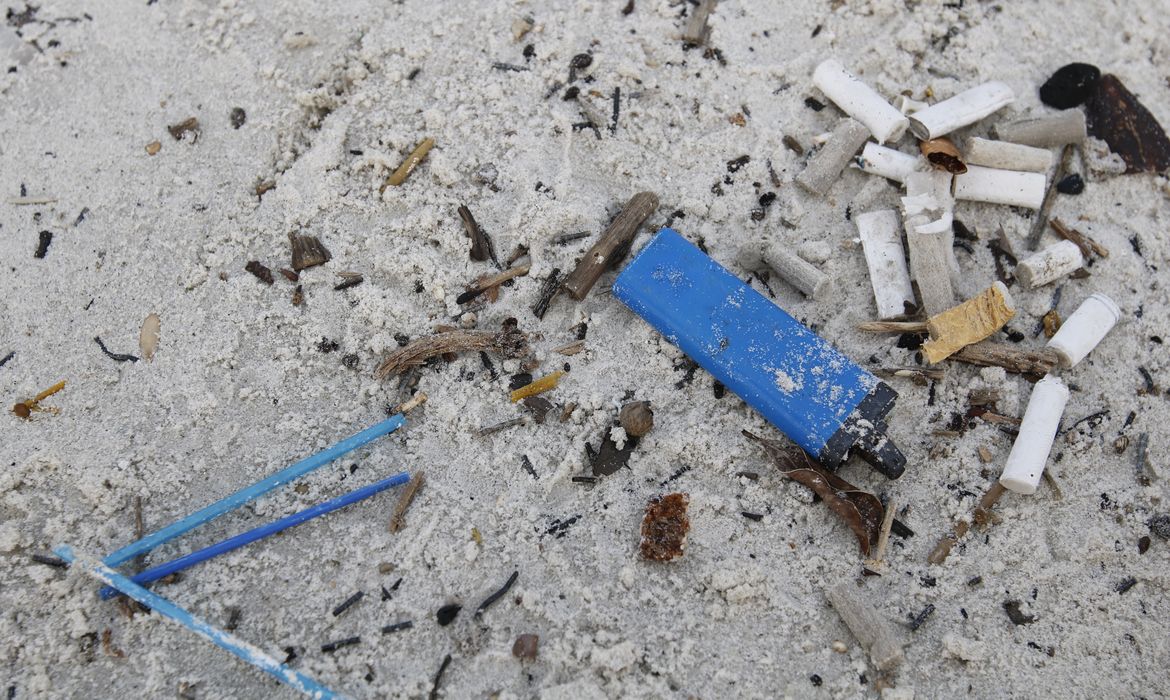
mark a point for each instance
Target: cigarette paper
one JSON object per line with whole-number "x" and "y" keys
{"x": 970, "y": 322}
{"x": 826, "y": 166}
{"x": 965, "y": 108}
{"x": 1025, "y": 463}
{"x": 881, "y": 240}
{"x": 928, "y": 214}
{"x": 1082, "y": 331}
{"x": 1009, "y": 187}
{"x": 887, "y": 162}
{"x": 1046, "y": 132}
{"x": 859, "y": 101}
{"x": 1007, "y": 156}
{"x": 1049, "y": 265}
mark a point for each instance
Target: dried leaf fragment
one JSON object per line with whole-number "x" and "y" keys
{"x": 148, "y": 337}
{"x": 1116, "y": 116}
{"x": 665, "y": 526}
{"x": 861, "y": 511}
{"x": 509, "y": 342}
{"x": 307, "y": 252}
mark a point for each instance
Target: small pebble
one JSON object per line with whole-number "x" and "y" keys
{"x": 525, "y": 646}
{"x": 839, "y": 647}
{"x": 637, "y": 418}
{"x": 1073, "y": 184}
{"x": 1070, "y": 85}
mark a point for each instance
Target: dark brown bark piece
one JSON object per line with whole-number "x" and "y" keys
{"x": 307, "y": 252}
{"x": 1116, "y": 116}
{"x": 665, "y": 526}
{"x": 612, "y": 244}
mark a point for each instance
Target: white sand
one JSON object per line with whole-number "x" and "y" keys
{"x": 238, "y": 389}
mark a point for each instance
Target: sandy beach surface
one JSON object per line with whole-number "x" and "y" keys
{"x": 314, "y": 105}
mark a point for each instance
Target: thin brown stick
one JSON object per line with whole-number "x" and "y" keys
{"x": 1049, "y": 198}
{"x": 614, "y": 241}
{"x": 1088, "y": 246}
{"x": 893, "y": 326}
{"x": 1013, "y": 360}
{"x": 398, "y": 520}
{"x": 416, "y": 156}
{"x": 481, "y": 246}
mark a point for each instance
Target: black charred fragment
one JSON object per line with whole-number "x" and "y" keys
{"x": 735, "y": 164}
{"x": 116, "y": 357}
{"x": 491, "y": 599}
{"x": 718, "y": 389}
{"x": 539, "y": 406}
{"x": 47, "y": 560}
{"x": 551, "y": 285}
{"x": 584, "y": 480}
{"x": 260, "y": 271}
{"x": 413, "y": 74}
{"x": 608, "y": 459}
{"x": 237, "y": 117}
{"x": 629, "y": 8}
{"x": 757, "y": 517}
{"x": 917, "y": 620}
{"x": 7, "y": 357}
{"x": 498, "y": 65}
{"x": 1126, "y": 584}
{"x": 348, "y": 603}
{"x": 46, "y": 238}
{"x": 899, "y": 528}
{"x": 814, "y": 104}
{"x": 519, "y": 380}
{"x": 327, "y": 346}
{"x": 339, "y": 644}
{"x": 488, "y": 365}
{"x": 349, "y": 283}
{"x": 439, "y": 677}
{"x": 398, "y": 627}
{"x": 1150, "y": 387}
{"x": 527, "y": 465}
{"x": 81, "y": 216}
{"x": 1018, "y": 617}
{"x": 617, "y": 103}
{"x": 446, "y": 614}
{"x": 560, "y": 527}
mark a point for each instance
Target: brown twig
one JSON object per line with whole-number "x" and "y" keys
{"x": 398, "y": 520}
{"x": 986, "y": 354}
{"x": 1088, "y": 246}
{"x": 509, "y": 342}
{"x": 893, "y": 326}
{"x": 613, "y": 243}
{"x": 982, "y": 515}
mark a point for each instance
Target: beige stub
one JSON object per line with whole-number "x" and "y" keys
{"x": 969, "y": 322}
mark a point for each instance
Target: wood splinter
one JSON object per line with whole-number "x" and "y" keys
{"x": 982, "y": 516}
{"x": 875, "y": 633}
{"x": 509, "y": 342}
{"x": 483, "y": 284}
{"x": 613, "y": 243}
{"x": 1037, "y": 362}
{"x": 398, "y": 520}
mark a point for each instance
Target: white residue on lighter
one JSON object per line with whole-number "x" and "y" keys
{"x": 786, "y": 383}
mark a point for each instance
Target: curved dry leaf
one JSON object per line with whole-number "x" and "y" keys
{"x": 148, "y": 337}
{"x": 861, "y": 511}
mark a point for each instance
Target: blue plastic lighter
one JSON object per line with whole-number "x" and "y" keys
{"x": 817, "y": 396}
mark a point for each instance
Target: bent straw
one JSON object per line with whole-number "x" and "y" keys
{"x": 229, "y": 642}
{"x": 202, "y": 555}
{"x": 254, "y": 491}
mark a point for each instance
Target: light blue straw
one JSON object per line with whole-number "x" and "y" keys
{"x": 156, "y": 572}
{"x": 249, "y": 653}
{"x": 254, "y": 491}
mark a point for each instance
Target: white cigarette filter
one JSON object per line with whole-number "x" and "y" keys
{"x": 1011, "y": 187}
{"x": 1049, "y": 265}
{"x": 881, "y": 239}
{"x": 1025, "y": 463}
{"x": 859, "y": 101}
{"x": 1007, "y": 156}
{"x": 1087, "y": 327}
{"x": 965, "y": 108}
{"x": 889, "y": 163}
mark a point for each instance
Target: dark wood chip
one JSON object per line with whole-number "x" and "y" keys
{"x": 1116, "y": 116}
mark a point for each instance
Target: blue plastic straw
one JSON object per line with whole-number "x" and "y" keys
{"x": 254, "y": 491}
{"x": 156, "y": 572}
{"x": 249, "y": 653}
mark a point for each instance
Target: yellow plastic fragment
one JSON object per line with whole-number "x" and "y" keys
{"x": 416, "y": 156}
{"x": 539, "y": 386}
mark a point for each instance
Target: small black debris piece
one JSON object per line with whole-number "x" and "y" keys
{"x": 1073, "y": 184}
{"x": 735, "y": 164}
{"x": 917, "y": 620}
{"x": 1160, "y": 526}
{"x": 1126, "y": 584}
{"x": 814, "y": 104}
{"x": 46, "y": 237}
{"x": 398, "y": 626}
{"x": 815, "y": 680}
{"x": 491, "y": 599}
{"x": 349, "y": 603}
{"x": 326, "y": 345}
{"x": 519, "y": 380}
{"x": 334, "y": 646}
{"x": 446, "y": 614}
{"x": 752, "y": 516}
{"x": 608, "y": 459}
{"x": 1070, "y": 85}
{"x": 1018, "y": 617}
{"x": 116, "y": 357}
{"x": 50, "y": 561}
{"x": 237, "y": 117}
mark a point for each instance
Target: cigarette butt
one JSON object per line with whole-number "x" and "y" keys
{"x": 887, "y": 162}
{"x": 826, "y": 166}
{"x": 970, "y": 322}
{"x": 881, "y": 240}
{"x": 1046, "y": 132}
{"x": 1025, "y": 463}
{"x": 965, "y": 108}
{"x": 1005, "y": 155}
{"x": 859, "y": 101}
{"x": 1087, "y": 327}
{"x": 1049, "y": 264}
{"x": 1011, "y": 187}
